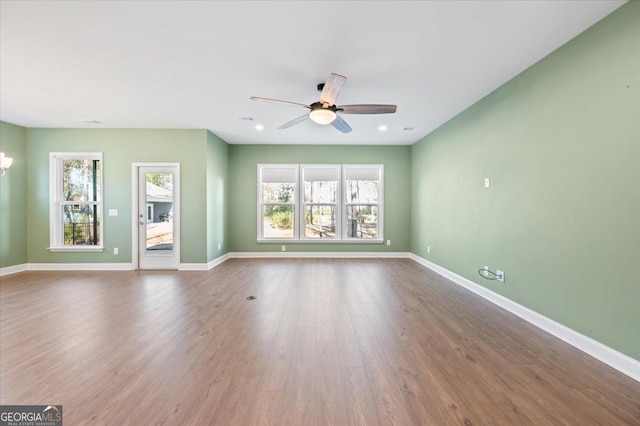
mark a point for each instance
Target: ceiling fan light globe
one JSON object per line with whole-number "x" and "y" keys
{"x": 322, "y": 116}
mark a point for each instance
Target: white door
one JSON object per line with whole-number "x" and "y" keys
{"x": 158, "y": 216}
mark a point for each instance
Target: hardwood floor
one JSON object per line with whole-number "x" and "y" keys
{"x": 325, "y": 342}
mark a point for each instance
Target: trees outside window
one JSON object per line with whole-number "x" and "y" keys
{"x": 76, "y": 201}
{"x": 320, "y": 202}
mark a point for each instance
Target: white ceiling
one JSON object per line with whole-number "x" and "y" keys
{"x": 194, "y": 65}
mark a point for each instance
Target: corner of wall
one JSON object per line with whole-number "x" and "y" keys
{"x": 217, "y": 197}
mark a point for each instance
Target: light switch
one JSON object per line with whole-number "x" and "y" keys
{"x": 113, "y": 212}
{"x": 487, "y": 182}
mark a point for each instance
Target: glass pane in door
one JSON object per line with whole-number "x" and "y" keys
{"x": 159, "y": 192}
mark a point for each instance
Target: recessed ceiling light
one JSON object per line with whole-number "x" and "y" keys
{"x": 382, "y": 128}
{"x": 259, "y": 127}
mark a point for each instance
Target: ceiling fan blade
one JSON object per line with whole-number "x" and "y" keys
{"x": 341, "y": 125}
{"x": 276, "y": 101}
{"x": 368, "y": 109}
{"x": 294, "y": 122}
{"x": 332, "y": 88}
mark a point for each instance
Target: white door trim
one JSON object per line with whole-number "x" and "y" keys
{"x": 135, "y": 206}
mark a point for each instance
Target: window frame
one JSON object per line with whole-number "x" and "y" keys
{"x": 378, "y": 205}
{"x": 299, "y": 205}
{"x": 336, "y": 204}
{"x": 295, "y": 204}
{"x": 56, "y": 220}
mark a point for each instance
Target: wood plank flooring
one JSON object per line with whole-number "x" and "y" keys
{"x": 326, "y": 342}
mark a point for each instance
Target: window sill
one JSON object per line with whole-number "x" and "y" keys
{"x": 77, "y": 248}
{"x": 324, "y": 241}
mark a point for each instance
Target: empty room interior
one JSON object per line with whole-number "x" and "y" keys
{"x": 320, "y": 212}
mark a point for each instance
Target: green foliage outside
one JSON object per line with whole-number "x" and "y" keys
{"x": 280, "y": 216}
{"x": 80, "y": 182}
{"x": 163, "y": 180}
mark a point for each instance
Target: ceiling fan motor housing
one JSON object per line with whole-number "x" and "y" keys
{"x": 320, "y": 105}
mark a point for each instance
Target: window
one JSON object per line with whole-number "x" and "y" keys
{"x": 323, "y": 203}
{"x": 363, "y": 189}
{"x": 319, "y": 206}
{"x": 277, "y": 200}
{"x": 76, "y": 201}
{"x": 149, "y": 212}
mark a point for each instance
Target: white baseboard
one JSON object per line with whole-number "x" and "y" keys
{"x": 79, "y": 266}
{"x": 320, "y": 255}
{"x": 102, "y": 266}
{"x": 609, "y": 356}
{"x": 217, "y": 261}
{"x": 203, "y": 266}
{"x": 192, "y": 267}
{"x": 8, "y": 270}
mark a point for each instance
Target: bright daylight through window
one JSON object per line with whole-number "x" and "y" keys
{"x": 320, "y": 203}
{"x": 76, "y": 201}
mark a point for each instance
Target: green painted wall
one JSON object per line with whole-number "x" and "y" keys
{"x": 13, "y": 201}
{"x": 243, "y": 202}
{"x": 120, "y": 148}
{"x": 561, "y": 144}
{"x": 217, "y": 196}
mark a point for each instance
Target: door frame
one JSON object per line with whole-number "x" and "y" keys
{"x": 135, "y": 167}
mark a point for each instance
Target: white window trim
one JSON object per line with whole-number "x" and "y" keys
{"x": 295, "y": 204}
{"x": 56, "y": 229}
{"x": 303, "y": 204}
{"x": 150, "y": 212}
{"x": 341, "y": 207}
{"x": 379, "y": 204}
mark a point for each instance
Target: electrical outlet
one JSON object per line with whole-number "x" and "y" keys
{"x": 485, "y": 271}
{"x": 428, "y": 249}
{"x": 115, "y": 250}
{"x": 219, "y": 246}
{"x": 500, "y": 275}
{"x": 284, "y": 248}
{"x": 487, "y": 182}
{"x": 388, "y": 242}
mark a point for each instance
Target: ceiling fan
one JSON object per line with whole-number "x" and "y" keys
{"x": 325, "y": 111}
